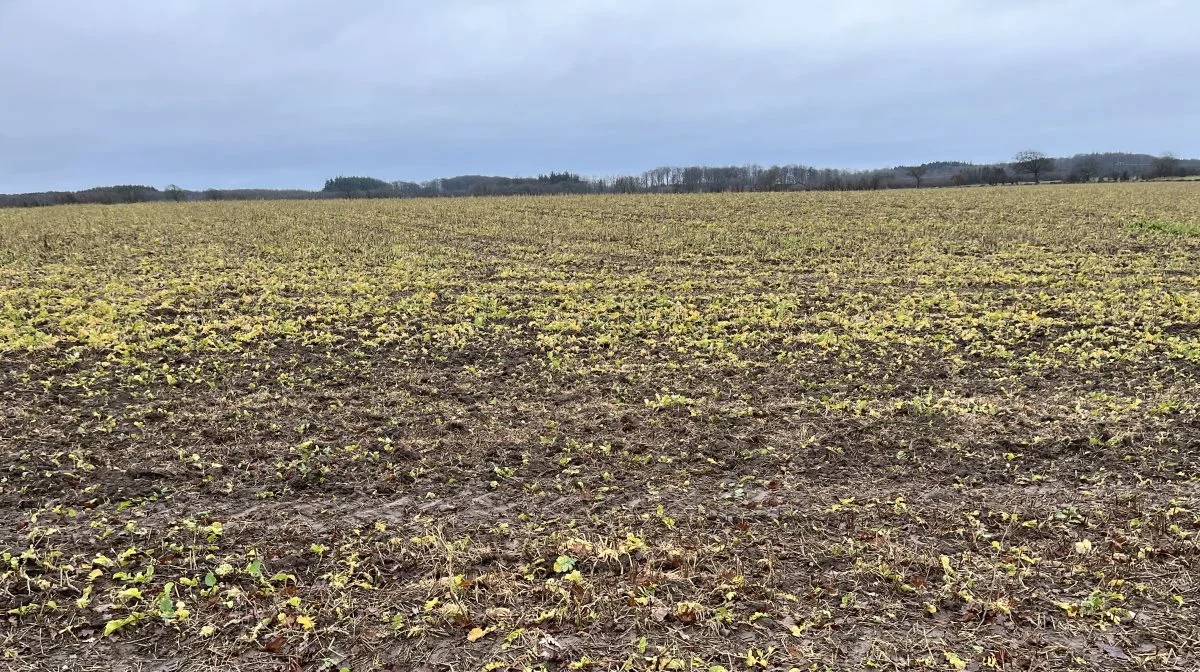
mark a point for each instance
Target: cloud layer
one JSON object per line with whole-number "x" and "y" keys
{"x": 283, "y": 93}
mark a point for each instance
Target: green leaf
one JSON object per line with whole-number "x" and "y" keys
{"x": 564, "y": 564}
{"x": 210, "y": 579}
{"x": 166, "y": 607}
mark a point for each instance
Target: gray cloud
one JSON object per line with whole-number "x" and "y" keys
{"x": 287, "y": 92}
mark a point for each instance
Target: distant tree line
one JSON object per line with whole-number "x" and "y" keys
{"x": 145, "y": 194}
{"x": 347, "y": 186}
{"x": 1027, "y": 165}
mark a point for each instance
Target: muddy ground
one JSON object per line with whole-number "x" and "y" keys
{"x": 832, "y": 432}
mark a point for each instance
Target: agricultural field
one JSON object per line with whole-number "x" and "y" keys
{"x": 940, "y": 429}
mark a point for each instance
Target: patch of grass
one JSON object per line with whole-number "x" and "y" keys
{"x": 1175, "y": 228}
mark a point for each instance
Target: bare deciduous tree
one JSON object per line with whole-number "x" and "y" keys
{"x": 1166, "y": 165}
{"x": 916, "y": 172}
{"x": 1033, "y": 163}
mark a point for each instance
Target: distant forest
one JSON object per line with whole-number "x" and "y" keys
{"x": 1027, "y": 166}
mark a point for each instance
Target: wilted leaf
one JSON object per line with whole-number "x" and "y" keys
{"x": 118, "y": 623}
{"x": 274, "y": 645}
{"x": 949, "y": 570}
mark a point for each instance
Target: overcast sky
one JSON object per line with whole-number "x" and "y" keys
{"x": 284, "y": 93}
